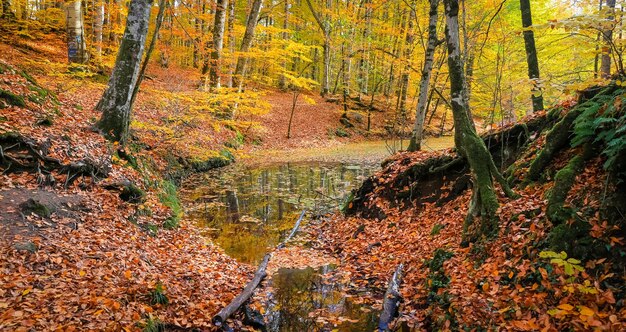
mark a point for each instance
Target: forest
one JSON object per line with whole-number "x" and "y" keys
{"x": 312, "y": 165}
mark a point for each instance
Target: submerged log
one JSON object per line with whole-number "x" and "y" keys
{"x": 244, "y": 296}
{"x": 391, "y": 301}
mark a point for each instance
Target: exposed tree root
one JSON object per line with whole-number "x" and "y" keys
{"x": 563, "y": 182}
{"x": 20, "y": 154}
{"x": 442, "y": 178}
{"x": 560, "y": 135}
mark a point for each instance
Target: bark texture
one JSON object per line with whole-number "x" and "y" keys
{"x": 484, "y": 200}
{"x": 415, "y": 143}
{"x": 605, "y": 64}
{"x": 531, "y": 55}
{"x": 325, "y": 28}
{"x": 218, "y": 43}
{"x": 246, "y": 42}
{"x": 76, "y": 46}
{"x": 116, "y": 101}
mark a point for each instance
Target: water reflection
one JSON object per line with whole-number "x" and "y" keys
{"x": 303, "y": 300}
{"x": 248, "y": 210}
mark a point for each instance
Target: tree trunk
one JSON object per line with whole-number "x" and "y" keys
{"x": 605, "y": 64}
{"x": 246, "y": 42}
{"x": 470, "y": 146}
{"x": 116, "y": 101}
{"x": 282, "y": 81}
{"x": 231, "y": 41}
{"x": 408, "y": 48}
{"x": 155, "y": 36}
{"x": 325, "y": 28}
{"x": 76, "y": 47}
{"x": 97, "y": 27}
{"x": 218, "y": 43}
{"x": 415, "y": 143}
{"x": 531, "y": 55}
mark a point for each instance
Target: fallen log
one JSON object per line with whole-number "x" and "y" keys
{"x": 238, "y": 301}
{"x": 244, "y": 296}
{"x": 391, "y": 301}
{"x": 295, "y": 228}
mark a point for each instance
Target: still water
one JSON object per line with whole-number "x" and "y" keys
{"x": 247, "y": 210}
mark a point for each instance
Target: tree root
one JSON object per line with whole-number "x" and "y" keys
{"x": 560, "y": 135}
{"x": 21, "y": 154}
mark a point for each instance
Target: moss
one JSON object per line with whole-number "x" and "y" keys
{"x": 563, "y": 182}
{"x": 29, "y": 78}
{"x": 224, "y": 159}
{"x": 12, "y": 99}
{"x": 26, "y": 246}
{"x": 169, "y": 198}
{"x": 439, "y": 257}
{"x": 4, "y": 68}
{"x": 575, "y": 240}
{"x": 45, "y": 121}
{"x": 347, "y": 202}
{"x": 436, "y": 229}
{"x": 132, "y": 194}
{"x": 36, "y": 207}
{"x": 559, "y": 136}
{"x": 340, "y": 132}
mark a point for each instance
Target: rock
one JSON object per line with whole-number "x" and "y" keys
{"x": 26, "y": 246}
{"x": 36, "y": 207}
{"x": 132, "y": 194}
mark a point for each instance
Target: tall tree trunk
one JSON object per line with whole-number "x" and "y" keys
{"x": 76, "y": 47}
{"x": 116, "y": 101}
{"x": 415, "y": 143}
{"x": 408, "y": 49}
{"x": 231, "y": 41}
{"x": 484, "y": 200}
{"x": 282, "y": 81}
{"x": 605, "y": 64}
{"x": 218, "y": 43}
{"x": 364, "y": 63}
{"x": 325, "y": 28}
{"x": 531, "y": 55}
{"x": 246, "y": 42}
{"x": 163, "y": 4}
{"x": 97, "y": 27}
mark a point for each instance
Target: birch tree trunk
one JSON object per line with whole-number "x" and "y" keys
{"x": 76, "y": 47}
{"x": 246, "y": 42}
{"x": 415, "y": 144}
{"x": 231, "y": 41}
{"x": 605, "y": 61}
{"x": 484, "y": 200}
{"x": 116, "y": 101}
{"x": 97, "y": 27}
{"x": 218, "y": 43}
{"x": 531, "y": 55}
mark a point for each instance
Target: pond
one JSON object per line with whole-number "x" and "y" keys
{"x": 248, "y": 210}
{"x": 311, "y": 300}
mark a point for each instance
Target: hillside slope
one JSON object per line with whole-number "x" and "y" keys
{"x": 559, "y": 258}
